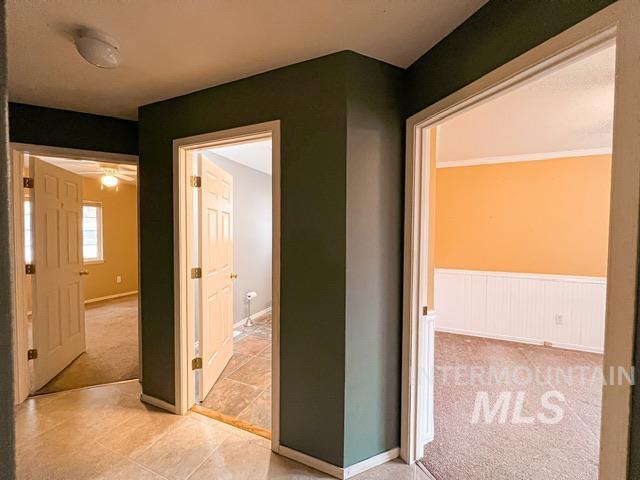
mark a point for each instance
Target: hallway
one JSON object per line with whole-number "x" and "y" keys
{"x": 107, "y": 433}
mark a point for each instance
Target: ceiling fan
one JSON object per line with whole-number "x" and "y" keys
{"x": 110, "y": 175}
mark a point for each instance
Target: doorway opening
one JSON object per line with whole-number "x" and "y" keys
{"x": 228, "y": 186}
{"x": 521, "y": 227}
{"x": 557, "y": 333}
{"x": 76, "y": 238}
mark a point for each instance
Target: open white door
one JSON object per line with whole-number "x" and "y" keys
{"x": 216, "y": 254}
{"x": 426, "y": 372}
{"x": 58, "y": 306}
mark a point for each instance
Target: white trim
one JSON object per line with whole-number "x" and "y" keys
{"x": 617, "y": 22}
{"x": 536, "y": 276}
{"x": 109, "y": 297}
{"x": 22, "y": 383}
{"x": 425, "y": 471}
{"x": 335, "y": 471}
{"x": 509, "y": 338}
{"x": 372, "y": 462}
{"x": 20, "y": 364}
{"x": 313, "y": 462}
{"x": 74, "y": 153}
{"x": 183, "y": 326}
{"x": 255, "y": 316}
{"x": 526, "y": 157}
{"x": 156, "y": 402}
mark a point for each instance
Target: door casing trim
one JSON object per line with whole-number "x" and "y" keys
{"x": 17, "y": 150}
{"x": 618, "y": 21}
{"x": 183, "y": 314}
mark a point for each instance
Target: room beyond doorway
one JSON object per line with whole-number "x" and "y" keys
{"x": 229, "y": 221}
{"x": 76, "y": 237}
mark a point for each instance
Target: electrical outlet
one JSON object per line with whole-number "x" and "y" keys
{"x": 118, "y": 278}
{"x": 558, "y": 319}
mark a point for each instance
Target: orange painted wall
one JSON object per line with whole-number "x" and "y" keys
{"x": 547, "y": 216}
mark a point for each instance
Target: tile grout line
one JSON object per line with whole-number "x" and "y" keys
{"x": 252, "y": 402}
{"x": 229, "y": 434}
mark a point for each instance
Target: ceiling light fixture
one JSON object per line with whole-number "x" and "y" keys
{"x": 98, "y": 48}
{"x": 109, "y": 179}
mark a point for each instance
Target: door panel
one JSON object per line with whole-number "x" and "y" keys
{"x": 216, "y": 252}
{"x": 58, "y": 308}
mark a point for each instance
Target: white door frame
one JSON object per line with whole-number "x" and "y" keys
{"x": 184, "y": 324}
{"x": 22, "y": 384}
{"x": 618, "y": 21}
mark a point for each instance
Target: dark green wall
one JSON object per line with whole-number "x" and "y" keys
{"x": 498, "y": 32}
{"x": 309, "y": 100}
{"x": 375, "y": 178}
{"x": 64, "y": 128}
{"x": 328, "y": 129}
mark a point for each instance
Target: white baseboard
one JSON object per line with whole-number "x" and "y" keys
{"x": 259, "y": 314}
{"x": 372, "y": 462}
{"x": 156, "y": 402}
{"x": 335, "y": 471}
{"x": 508, "y": 338}
{"x": 110, "y": 297}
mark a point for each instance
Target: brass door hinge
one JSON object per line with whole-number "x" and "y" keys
{"x": 196, "y": 181}
{"x": 29, "y": 269}
{"x": 425, "y": 310}
{"x": 27, "y": 182}
{"x": 32, "y": 354}
{"x": 196, "y": 363}
{"x": 196, "y": 272}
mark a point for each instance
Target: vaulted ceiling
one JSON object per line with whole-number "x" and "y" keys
{"x": 173, "y": 47}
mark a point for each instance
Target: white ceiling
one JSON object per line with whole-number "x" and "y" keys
{"x": 568, "y": 110}
{"x": 256, "y": 155}
{"x": 172, "y": 47}
{"x": 93, "y": 169}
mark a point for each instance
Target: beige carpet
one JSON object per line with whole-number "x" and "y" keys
{"x": 461, "y": 450}
{"x": 112, "y": 347}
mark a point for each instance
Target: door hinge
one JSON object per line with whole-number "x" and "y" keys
{"x": 32, "y": 354}
{"x": 27, "y": 182}
{"x": 29, "y": 269}
{"x": 196, "y": 272}
{"x": 196, "y": 181}
{"x": 425, "y": 310}
{"x": 196, "y": 363}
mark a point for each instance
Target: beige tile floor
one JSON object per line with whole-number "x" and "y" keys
{"x": 243, "y": 390}
{"x": 105, "y": 432}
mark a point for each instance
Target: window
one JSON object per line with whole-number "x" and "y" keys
{"x": 92, "y": 232}
{"x": 28, "y": 235}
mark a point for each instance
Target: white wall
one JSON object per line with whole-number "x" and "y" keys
{"x": 251, "y": 235}
{"x": 568, "y": 311}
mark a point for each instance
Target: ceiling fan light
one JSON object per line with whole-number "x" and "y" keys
{"x": 98, "y": 48}
{"x": 109, "y": 180}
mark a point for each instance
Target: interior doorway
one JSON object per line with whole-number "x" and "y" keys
{"x": 520, "y": 276}
{"x": 421, "y": 305}
{"x": 76, "y": 238}
{"x": 228, "y": 186}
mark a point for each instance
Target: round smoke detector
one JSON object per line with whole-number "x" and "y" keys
{"x": 98, "y": 48}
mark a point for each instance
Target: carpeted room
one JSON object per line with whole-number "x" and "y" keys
{"x": 521, "y": 251}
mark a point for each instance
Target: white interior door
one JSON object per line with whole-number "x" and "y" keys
{"x": 58, "y": 307}
{"x": 426, "y": 379}
{"x": 216, "y": 254}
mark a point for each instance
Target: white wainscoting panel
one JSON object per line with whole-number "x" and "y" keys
{"x": 568, "y": 311}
